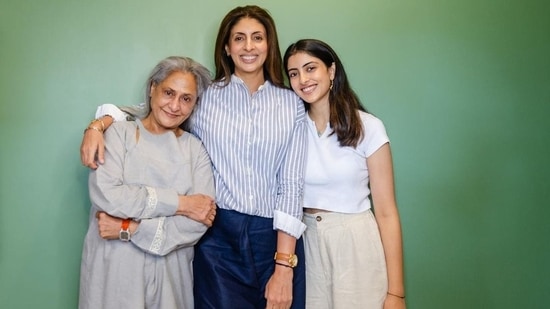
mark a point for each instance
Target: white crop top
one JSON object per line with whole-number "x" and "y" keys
{"x": 337, "y": 178}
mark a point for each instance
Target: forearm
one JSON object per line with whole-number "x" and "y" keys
{"x": 285, "y": 243}
{"x": 390, "y": 232}
{"x": 160, "y": 236}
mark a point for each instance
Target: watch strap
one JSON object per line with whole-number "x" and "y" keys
{"x": 291, "y": 259}
{"x": 124, "y": 234}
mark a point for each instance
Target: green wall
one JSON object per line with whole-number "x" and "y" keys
{"x": 462, "y": 86}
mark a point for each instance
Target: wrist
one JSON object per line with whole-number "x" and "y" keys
{"x": 96, "y": 125}
{"x": 286, "y": 259}
{"x": 402, "y": 296}
{"x": 124, "y": 234}
{"x": 283, "y": 265}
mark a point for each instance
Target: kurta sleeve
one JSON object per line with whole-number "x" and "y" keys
{"x": 161, "y": 236}
{"x": 109, "y": 192}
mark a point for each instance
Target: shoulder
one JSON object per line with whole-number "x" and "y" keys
{"x": 282, "y": 91}
{"x": 121, "y": 127}
{"x": 190, "y": 138}
{"x": 286, "y": 97}
{"x": 374, "y": 133}
{"x": 193, "y": 146}
{"x": 370, "y": 121}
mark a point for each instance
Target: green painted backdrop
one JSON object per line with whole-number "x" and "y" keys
{"x": 463, "y": 88}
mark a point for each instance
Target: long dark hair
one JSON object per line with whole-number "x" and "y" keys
{"x": 273, "y": 70}
{"x": 343, "y": 101}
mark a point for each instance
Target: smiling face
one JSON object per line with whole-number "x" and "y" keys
{"x": 247, "y": 46}
{"x": 172, "y": 102}
{"x": 309, "y": 77}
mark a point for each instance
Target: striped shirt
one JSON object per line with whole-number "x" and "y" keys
{"x": 257, "y": 144}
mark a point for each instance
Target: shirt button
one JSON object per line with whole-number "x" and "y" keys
{"x": 318, "y": 218}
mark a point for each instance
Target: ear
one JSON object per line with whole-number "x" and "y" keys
{"x": 332, "y": 71}
{"x": 152, "y": 88}
{"x": 227, "y": 50}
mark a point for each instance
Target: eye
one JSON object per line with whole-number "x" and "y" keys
{"x": 187, "y": 99}
{"x": 168, "y": 92}
{"x": 292, "y": 74}
{"x": 310, "y": 68}
{"x": 238, "y": 38}
{"x": 258, "y": 38}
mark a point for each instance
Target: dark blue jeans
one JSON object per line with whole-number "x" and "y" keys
{"x": 234, "y": 260}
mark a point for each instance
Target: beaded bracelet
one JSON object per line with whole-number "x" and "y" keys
{"x": 402, "y": 297}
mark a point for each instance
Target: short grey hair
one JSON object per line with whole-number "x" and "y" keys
{"x": 161, "y": 71}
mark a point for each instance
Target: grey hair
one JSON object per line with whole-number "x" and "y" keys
{"x": 161, "y": 71}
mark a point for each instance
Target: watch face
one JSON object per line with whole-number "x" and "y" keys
{"x": 124, "y": 235}
{"x": 293, "y": 261}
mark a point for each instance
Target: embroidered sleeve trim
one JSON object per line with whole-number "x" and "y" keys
{"x": 158, "y": 240}
{"x": 152, "y": 201}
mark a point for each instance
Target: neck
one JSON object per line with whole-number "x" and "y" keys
{"x": 253, "y": 81}
{"x": 319, "y": 112}
{"x": 155, "y": 128}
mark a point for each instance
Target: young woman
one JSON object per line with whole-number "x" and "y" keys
{"x": 253, "y": 128}
{"x": 157, "y": 188}
{"x": 354, "y": 258}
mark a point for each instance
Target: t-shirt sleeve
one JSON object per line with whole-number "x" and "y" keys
{"x": 374, "y": 134}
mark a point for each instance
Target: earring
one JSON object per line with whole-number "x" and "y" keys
{"x": 331, "y": 84}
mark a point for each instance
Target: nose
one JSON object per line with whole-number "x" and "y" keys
{"x": 303, "y": 78}
{"x": 249, "y": 45}
{"x": 174, "y": 104}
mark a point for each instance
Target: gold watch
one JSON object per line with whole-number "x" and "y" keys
{"x": 292, "y": 259}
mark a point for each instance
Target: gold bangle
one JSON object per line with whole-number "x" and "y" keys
{"x": 98, "y": 129}
{"x": 402, "y": 297}
{"x": 93, "y": 128}
{"x": 100, "y": 121}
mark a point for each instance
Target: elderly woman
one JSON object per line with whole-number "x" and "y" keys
{"x": 151, "y": 200}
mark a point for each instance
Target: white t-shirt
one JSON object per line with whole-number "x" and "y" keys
{"x": 337, "y": 178}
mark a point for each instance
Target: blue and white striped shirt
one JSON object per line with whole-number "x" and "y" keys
{"x": 257, "y": 144}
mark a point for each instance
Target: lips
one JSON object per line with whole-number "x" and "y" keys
{"x": 308, "y": 89}
{"x": 248, "y": 58}
{"x": 171, "y": 115}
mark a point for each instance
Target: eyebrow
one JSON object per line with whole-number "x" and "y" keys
{"x": 242, "y": 33}
{"x": 174, "y": 90}
{"x": 305, "y": 65}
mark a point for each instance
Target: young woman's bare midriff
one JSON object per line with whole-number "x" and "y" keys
{"x": 314, "y": 210}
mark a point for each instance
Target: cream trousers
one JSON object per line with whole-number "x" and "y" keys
{"x": 345, "y": 264}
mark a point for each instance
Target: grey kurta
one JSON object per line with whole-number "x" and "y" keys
{"x": 141, "y": 180}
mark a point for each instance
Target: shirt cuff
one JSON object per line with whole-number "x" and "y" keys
{"x": 111, "y": 110}
{"x": 288, "y": 224}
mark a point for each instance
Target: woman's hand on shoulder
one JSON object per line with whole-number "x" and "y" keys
{"x": 92, "y": 149}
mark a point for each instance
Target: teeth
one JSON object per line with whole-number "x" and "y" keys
{"x": 248, "y": 58}
{"x": 308, "y": 89}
